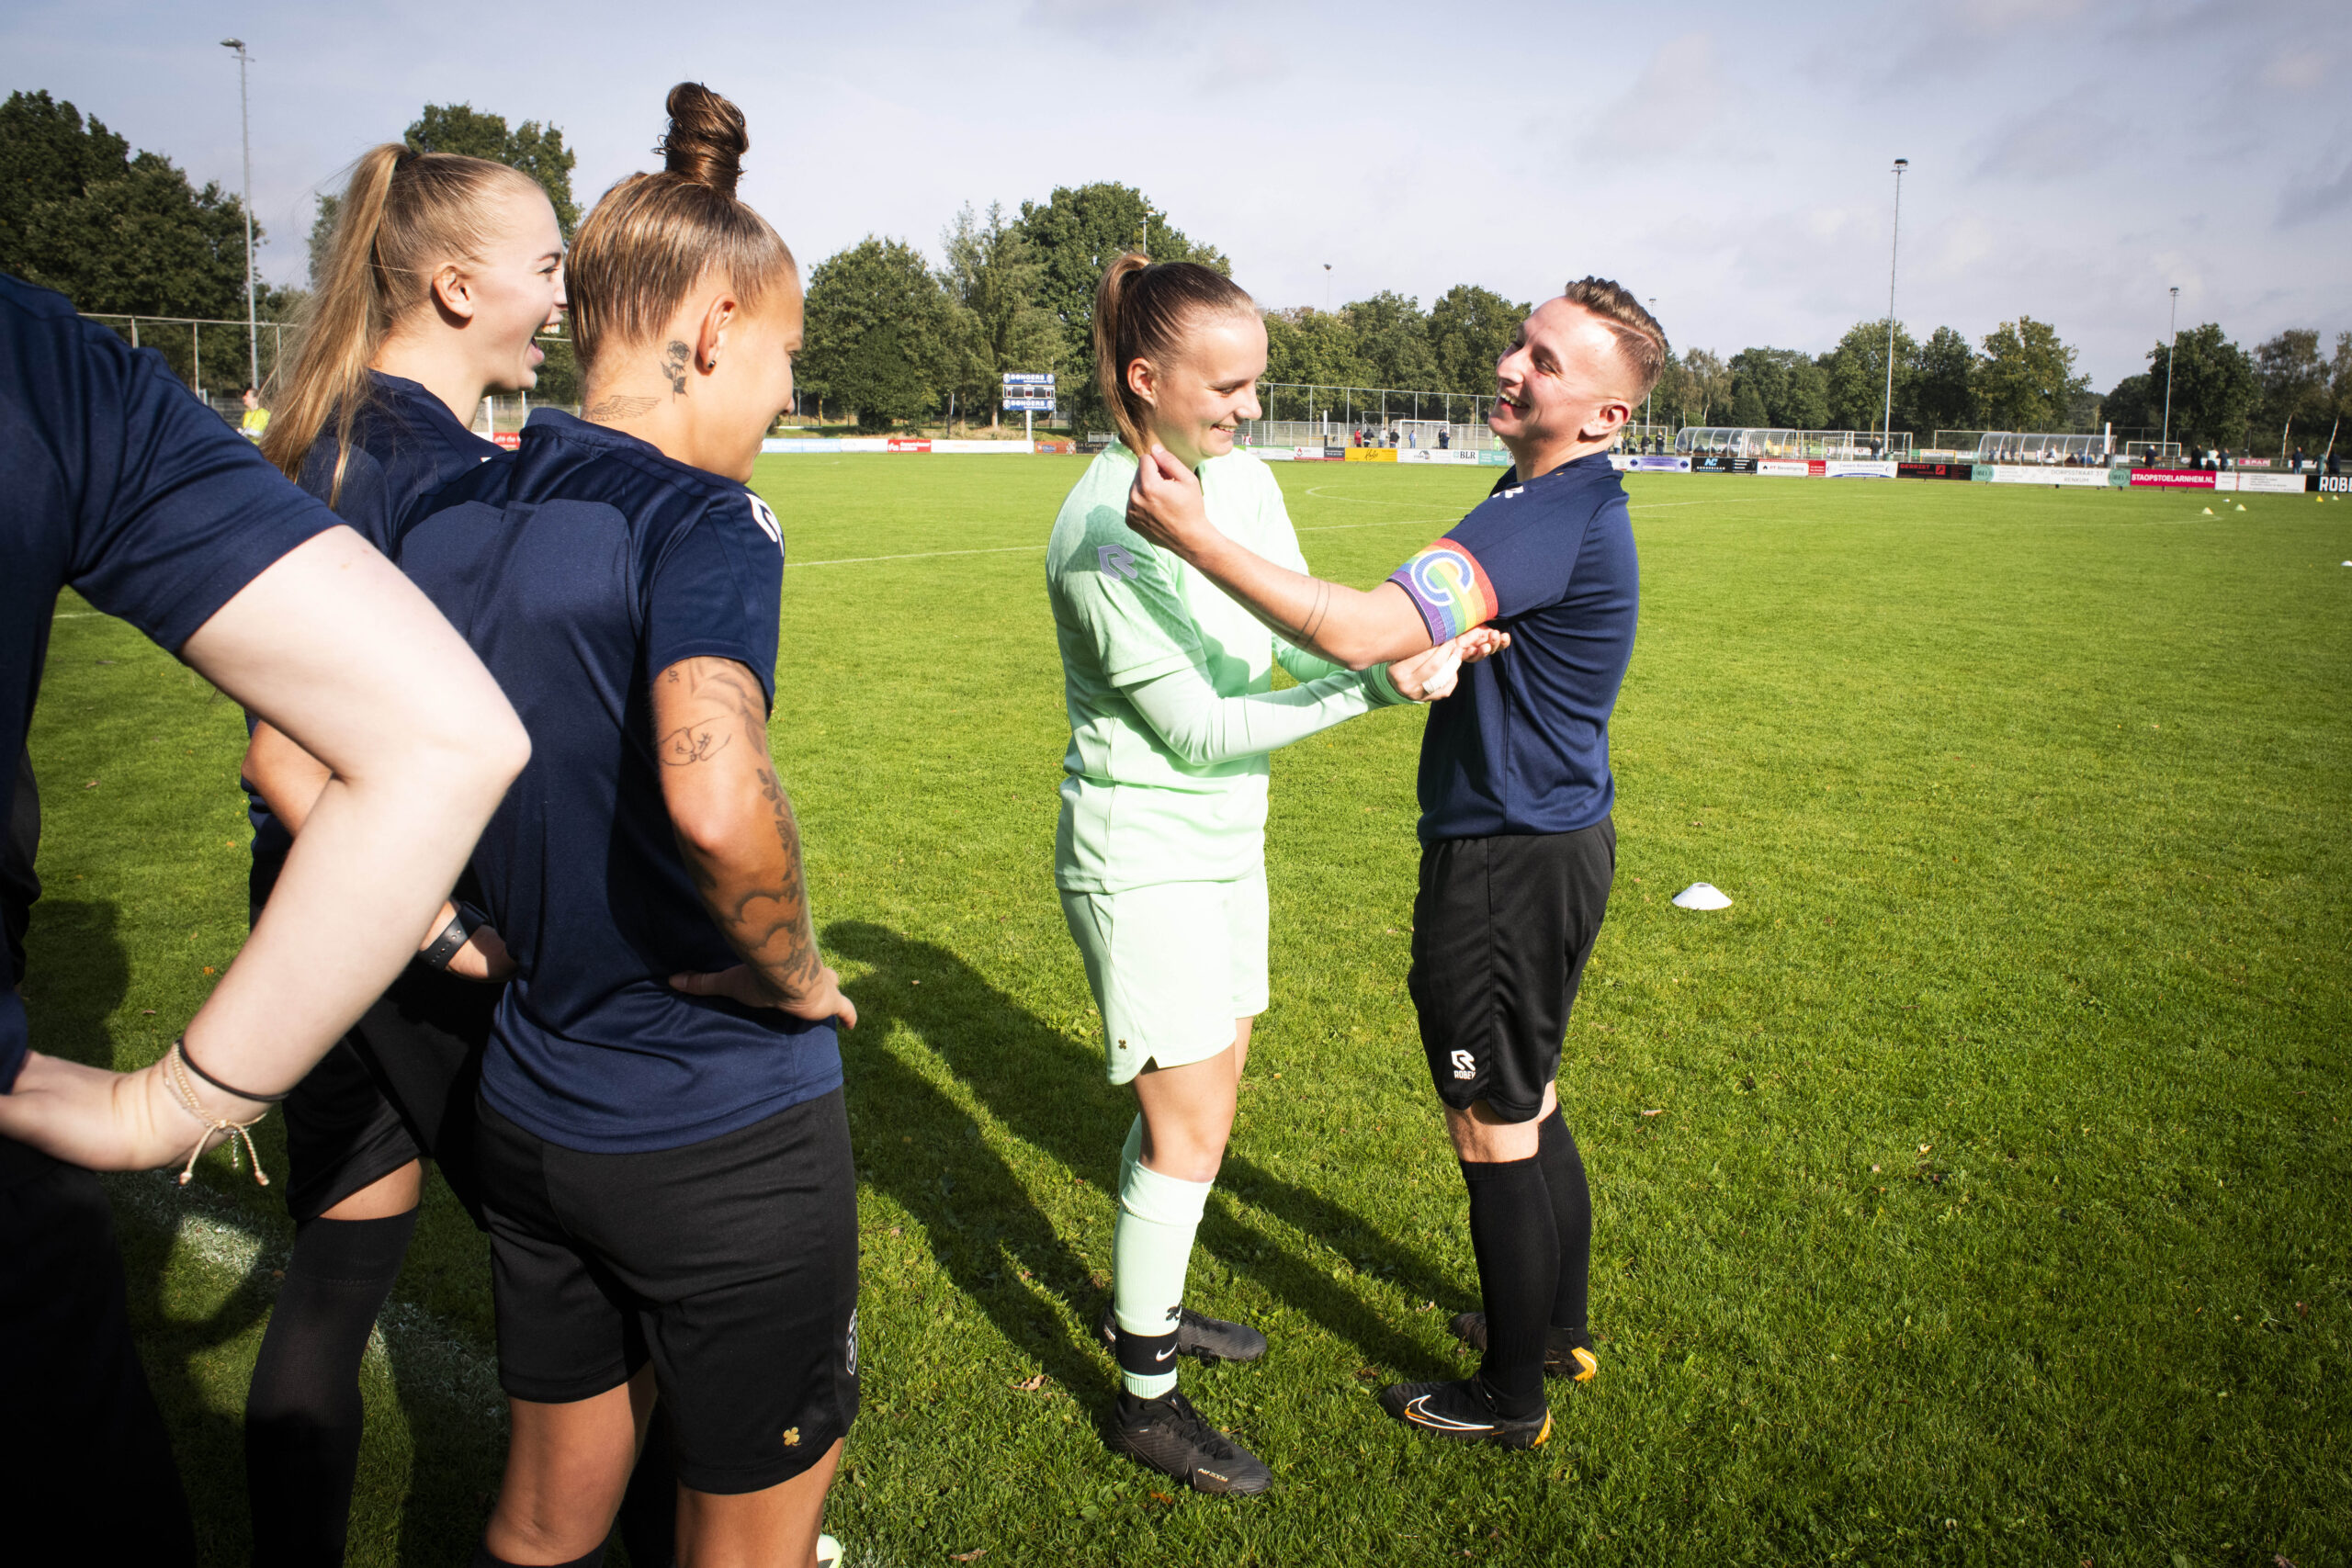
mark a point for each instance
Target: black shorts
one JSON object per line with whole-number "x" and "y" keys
{"x": 399, "y": 1087}
{"x": 83, "y": 1453}
{"x": 731, "y": 1263}
{"x": 1502, "y": 930}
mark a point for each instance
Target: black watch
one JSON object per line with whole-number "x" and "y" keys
{"x": 453, "y": 936}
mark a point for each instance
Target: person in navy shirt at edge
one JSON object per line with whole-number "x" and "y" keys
{"x": 664, "y": 1153}
{"x": 114, "y": 480}
{"x": 440, "y": 271}
{"x": 1518, "y": 852}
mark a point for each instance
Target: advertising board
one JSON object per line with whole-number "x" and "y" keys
{"x": 1436, "y": 455}
{"x": 1371, "y": 454}
{"x": 2332, "y": 484}
{"x": 1028, "y": 379}
{"x": 509, "y": 439}
{"x": 2260, "y": 484}
{"x": 1934, "y": 470}
{"x": 2041, "y": 474}
{"x": 1648, "y": 462}
{"x": 1715, "y": 463}
{"x": 1028, "y": 405}
{"x": 1874, "y": 469}
{"x": 2172, "y": 479}
{"x": 1789, "y": 467}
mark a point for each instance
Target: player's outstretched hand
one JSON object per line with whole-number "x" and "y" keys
{"x": 1428, "y": 675}
{"x": 1482, "y": 642}
{"x": 1164, "y": 505}
{"x": 822, "y": 1000}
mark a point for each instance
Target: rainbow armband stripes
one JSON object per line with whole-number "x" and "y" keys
{"x": 1450, "y": 588}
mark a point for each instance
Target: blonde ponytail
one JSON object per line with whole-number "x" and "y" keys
{"x": 405, "y": 215}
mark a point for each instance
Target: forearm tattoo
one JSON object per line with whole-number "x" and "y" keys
{"x": 760, "y": 899}
{"x": 1322, "y": 608}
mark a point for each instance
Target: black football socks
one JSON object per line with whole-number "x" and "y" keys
{"x": 1572, "y": 1217}
{"x": 303, "y": 1412}
{"x": 1518, "y": 1248}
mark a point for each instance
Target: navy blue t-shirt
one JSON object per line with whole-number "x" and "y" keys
{"x": 116, "y": 481}
{"x": 405, "y": 444}
{"x": 580, "y": 571}
{"x": 1522, "y": 744}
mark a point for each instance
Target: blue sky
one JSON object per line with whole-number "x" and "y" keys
{"x": 2069, "y": 160}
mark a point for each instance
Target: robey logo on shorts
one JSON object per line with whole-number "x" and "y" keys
{"x": 1466, "y": 1066}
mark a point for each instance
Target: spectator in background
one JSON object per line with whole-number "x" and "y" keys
{"x": 2298, "y": 460}
{"x": 1445, "y": 438}
{"x": 256, "y": 418}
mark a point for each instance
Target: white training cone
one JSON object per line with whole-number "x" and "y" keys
{"x": 2209, "y": 512}
{"x": 1701, "y": 896}
{"x": 2241, "y": 506}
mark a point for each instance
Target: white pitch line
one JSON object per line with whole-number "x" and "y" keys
{"x": 1318, "y": 528}
{"x": 920, "y": 555}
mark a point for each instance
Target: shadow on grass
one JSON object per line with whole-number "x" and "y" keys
{"x": 76, "y": 976}
{"x": 1050, "y": 1090}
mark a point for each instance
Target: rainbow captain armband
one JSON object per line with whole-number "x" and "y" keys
{"x": 1450, "y": 588}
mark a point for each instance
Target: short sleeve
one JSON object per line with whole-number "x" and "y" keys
{"x": 1498, "y": 562}
{"x": 177, "y": 512}
{"x": 1123, "y": 595}
{"x": 360, "y": 501}
{"x": 718, "y": 591}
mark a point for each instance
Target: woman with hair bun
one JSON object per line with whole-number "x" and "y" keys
{"x": 664, "y": 1155}
{"x": 441, "y": 271}
{"x": 1161, "y": 851}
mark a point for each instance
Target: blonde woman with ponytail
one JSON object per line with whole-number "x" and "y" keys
{"x": 441, "y": 270}
{"x": 1160, "y": 856}
{"x": 665, "y": 1158}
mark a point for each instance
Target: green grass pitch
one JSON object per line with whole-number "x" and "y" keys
{"x": 1973, "y": 1190}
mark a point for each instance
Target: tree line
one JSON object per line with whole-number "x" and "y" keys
{"x": 895, "y": 338}
{"x": 2022, "y": 377}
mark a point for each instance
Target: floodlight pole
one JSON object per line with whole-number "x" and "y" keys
{"x": 2172, "y": 336}
{"x": 1895, "y": 251}
{"x": 246, "y": 120}
{"x": 1652, "y": 394}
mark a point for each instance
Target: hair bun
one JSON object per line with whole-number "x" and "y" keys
{"x": 707, "y": 139}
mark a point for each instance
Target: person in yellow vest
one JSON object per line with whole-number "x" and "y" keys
{"x": 256, "y": 419}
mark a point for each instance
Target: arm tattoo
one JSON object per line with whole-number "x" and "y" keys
{"x": 607, "y": 410}
{"x": 1322, "y": 608}
{"x": 673, "y": 364}
{"x": 758, "y": 896}
{"x": 690, "y": 744}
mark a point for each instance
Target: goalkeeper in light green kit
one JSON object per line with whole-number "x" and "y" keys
{"x": 1159, "y": 853}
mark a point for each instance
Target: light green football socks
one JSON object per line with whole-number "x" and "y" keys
{"x": 1158, "y": 1216}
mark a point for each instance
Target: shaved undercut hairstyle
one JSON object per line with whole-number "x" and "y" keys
{"x": 1641, "y": 342}
{"x": 653, "y": 237}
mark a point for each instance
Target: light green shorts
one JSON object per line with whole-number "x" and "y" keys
{"x": 1172, "y": 967}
